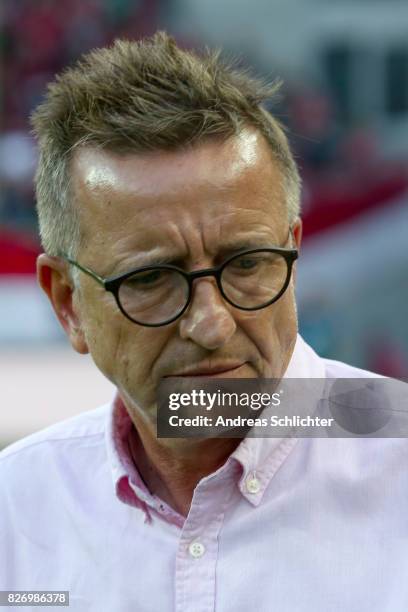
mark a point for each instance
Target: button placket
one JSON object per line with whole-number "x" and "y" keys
{"x": 198, "y": 547}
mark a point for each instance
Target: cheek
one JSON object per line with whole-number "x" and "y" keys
{"x": 125, "y": 352}
{"x": 102, "y": 343}
{"x": 102, "y": 327}
{"x": 136, "y": 351}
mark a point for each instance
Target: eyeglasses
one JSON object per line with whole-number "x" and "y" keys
{"x": 157, "y": 295}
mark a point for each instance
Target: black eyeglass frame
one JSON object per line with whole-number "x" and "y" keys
{"x": 113, "y": 284}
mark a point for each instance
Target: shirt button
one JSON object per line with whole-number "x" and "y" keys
{"x": 253, "y": 485}
{"x": 196, "y": 549}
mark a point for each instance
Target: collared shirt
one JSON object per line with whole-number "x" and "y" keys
{"x": 288, "y": 525}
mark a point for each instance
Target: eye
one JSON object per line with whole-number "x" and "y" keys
{"x": 247, "y": 263}
{"x": 150, "y": 277}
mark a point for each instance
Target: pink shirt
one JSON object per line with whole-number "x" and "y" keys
{"x": 286, "y": 525}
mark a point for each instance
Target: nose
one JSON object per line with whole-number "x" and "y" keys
{"x": 208, "y": 321}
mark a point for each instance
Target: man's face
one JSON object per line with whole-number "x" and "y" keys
{"x": 192, "y": 208}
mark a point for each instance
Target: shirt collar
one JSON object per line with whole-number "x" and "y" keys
{"x": 123, "y": 469}
{"x": 258, "y": 458}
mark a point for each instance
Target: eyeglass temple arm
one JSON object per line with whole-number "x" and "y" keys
{"x": 98, "y": 278}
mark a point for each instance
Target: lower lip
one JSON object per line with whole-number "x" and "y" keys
{"x": 233, "y": 373}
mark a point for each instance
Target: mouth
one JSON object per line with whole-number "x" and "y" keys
{"x": 218, "y": 371}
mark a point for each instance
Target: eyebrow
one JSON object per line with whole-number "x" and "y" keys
{"x": 141, "y": 260}
{"x": 230, "y": 249}
{"x": 225, "y": 250}
{"x": 245, "y": 244}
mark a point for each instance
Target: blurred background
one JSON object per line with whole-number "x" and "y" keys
{"x": 345, "y": 102}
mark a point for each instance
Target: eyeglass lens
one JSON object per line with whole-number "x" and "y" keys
{"x": 248, "y": 281}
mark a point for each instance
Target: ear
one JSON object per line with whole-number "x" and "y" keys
{"x": 297, "y": 232}
{"x": 53, "y": 277}
{"x": 297, "y": 235}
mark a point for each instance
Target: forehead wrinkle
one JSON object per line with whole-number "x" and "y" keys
{"x": 148, "y": 247}
{"x": 198, "y": 235}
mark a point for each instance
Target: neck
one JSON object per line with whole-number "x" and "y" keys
{"x": 172, "y": 468}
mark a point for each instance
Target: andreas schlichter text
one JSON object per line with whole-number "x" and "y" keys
{"x": 238, "y": 421}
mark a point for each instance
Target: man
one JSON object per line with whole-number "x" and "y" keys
{"x": 156, "y": 164}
